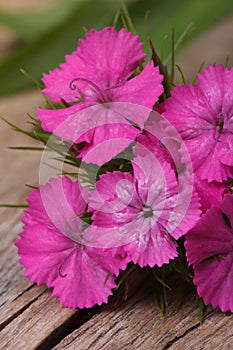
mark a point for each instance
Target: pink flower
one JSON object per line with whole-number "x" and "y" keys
{"x": 143, "y": 212}
{"x": 203, "y": 115}
{"x": 209, "y": 248}
{"x": 210, "y": 193}
{"x": 97, "y": 73}
{"x": 55, "y": 250}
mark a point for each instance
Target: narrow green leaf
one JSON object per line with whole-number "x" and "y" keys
{"x": 116, "y": 18}
{"x": 201, "y": 310}
{"x": 176, "y": 44}
{"x": 163, "y": 70}
{"x": 125, "y": 274}
{"x": 173, "y": 57}
{"x": 32, "y": 187}
{"x": 159, "y": 301}
{"x": 25, "y": 148}
{"x": 226, "y": 62}
{"x": 160, "y": 280}
{"x": 127, "y": 17}
{"x": 35, "y": 82}
{"x": 199, "y": 71}
{"x": 106, "y": 278}
{"x": 181, "y": 74}
{"x": 226, "y": 220}
{"x": 14, "y": 206}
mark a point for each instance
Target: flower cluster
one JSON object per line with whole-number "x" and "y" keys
{"x": 163, "y": 170}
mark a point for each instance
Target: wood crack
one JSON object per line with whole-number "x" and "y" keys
{"x": 20, "y": 311}
{"x": 174, "y": 340}
{"x": 91, "y": 346}
{"x": 74, "y": 322}
{"x": 26, "y": 290}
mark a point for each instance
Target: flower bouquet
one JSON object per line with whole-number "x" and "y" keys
{"x": 142, "y": 179}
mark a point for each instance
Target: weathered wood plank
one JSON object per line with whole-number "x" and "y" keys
{"x": 35, "y": 324}
{"x": 215, "y": 334}
{"x": 138, "y": 325}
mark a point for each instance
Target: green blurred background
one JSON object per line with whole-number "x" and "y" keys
{"x": 42, "y": 32}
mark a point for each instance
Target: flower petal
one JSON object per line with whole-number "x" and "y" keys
{"x": 213, "y": 86}
{"x": 82, "y": 281}
{"x": 211, "y": 235}
{"x": 42, "y": 251}
{"x": 107, "y": 142}
{"x": 114, "y": 191}
{"x": 102, "y": 58}
{"x": 152, "y": 247}
{"x": 64, "y": 217}
{"x": 111, "y": 56}
{"x": 58, "y": 83}
{"x": 224, "y": 150}
{"x": 209, "y": 247}
{"x": 53, "y": 247}
{"x": 205, "y": 163}
{"x": 107, "y": 130}
{"x": 210, "y": 193}
{"x": 202, "y": 114}
{"x": 143, "y": 90}
{"x": 192, "y": 117}
{"x": 214, "y": 282}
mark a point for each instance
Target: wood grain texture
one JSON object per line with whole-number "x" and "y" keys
{"x": 138, "y": 325}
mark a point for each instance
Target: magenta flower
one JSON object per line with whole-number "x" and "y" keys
{"x": 97, "y": 73}
{"x": 203, "y": 115}
{"x": 210, "y": 193}
{"x": 210, "y": 250}
{"x": 55, "y": 250}
{"x": 142, "y": 212}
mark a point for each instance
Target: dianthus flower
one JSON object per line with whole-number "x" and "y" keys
{"x": 97, "y": 73}
{"x": 54, "y": 247}
{"x": 146, "y": 211}
{"x": 203, "y": 115}
{"x": 209, "y": 248}
{"x": 210, "y": 193}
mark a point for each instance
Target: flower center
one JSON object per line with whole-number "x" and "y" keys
{"x": 220, "y": 125}
{"x": 147, "y": 211}
{"x": 101, "y": 95}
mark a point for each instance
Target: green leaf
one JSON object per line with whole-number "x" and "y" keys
{"x": 14, "y": 206}
{"x": 29, "y": 148}
{"x": 160, "y": 280}
{"x": 107, "y": 277}
{"x": 227, "y": 220}
{"x": 201, "y": 310}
